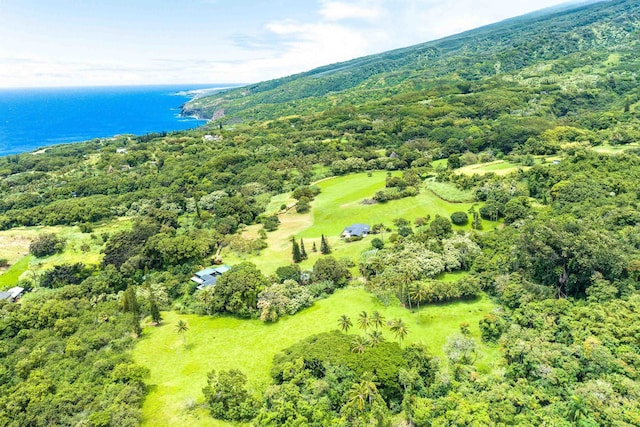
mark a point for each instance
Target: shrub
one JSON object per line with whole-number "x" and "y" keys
{"x": 227, "y": 396}
{"x": 271, "y": 223}
{"x": 288, "y": 272}
{"x": 491, "y": 210}
{"x": 86, "y": 228}
{"x": 283, "y": 298}
{"x": 303, "y": 205}
{"x": 437, "y": 291}
{"x": 328, "y": 268}
{"x": 306, "y": 191}
{"x": 491, "y": 327}
{"x": 459, "y": 218}
{"x": 377, "y": 243}
{"x": 440, "y": 227}
{"x": 46, "y": 244}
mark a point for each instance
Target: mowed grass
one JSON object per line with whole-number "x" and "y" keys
{"x": 336, "y": 207}
{"x": 177, "y": 374}
{"x": 10, "y": 277}
{"x": 80, "y": 247}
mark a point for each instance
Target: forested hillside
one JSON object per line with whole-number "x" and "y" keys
{"x": 498, "y": 170}
{"x": 564, "y": 41}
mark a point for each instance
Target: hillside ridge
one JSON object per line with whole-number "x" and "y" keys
{"x": 515, "y": 43}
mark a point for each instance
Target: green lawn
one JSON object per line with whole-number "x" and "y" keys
{"x": 10, "y": 277}
{"x": 337, "y": 206}
{"x": 178, "y": 373}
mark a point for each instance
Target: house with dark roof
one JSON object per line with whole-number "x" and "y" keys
{"x": 209, "y": 276}
{"x": 356, "y": 230}
{"x": 12, "y": 294}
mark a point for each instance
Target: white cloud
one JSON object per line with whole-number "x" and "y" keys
{"x": 340, "y": 10}
{"x": 337, "y": 30}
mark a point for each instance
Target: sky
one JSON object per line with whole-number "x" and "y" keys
{"x": 45, "y": 43}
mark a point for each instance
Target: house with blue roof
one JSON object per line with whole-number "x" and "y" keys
{"x": 356, "y": 230}
{"x": 209, "y": 276}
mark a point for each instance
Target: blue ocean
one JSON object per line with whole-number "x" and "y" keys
{"x": 35, "y": 118}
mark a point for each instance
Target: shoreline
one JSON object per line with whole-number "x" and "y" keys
{"x": 167, "y": 118}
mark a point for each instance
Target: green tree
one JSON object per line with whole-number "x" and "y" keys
{"x": 375, "y": 338}
{"x": 295, "y": 251}
{"x": 398, "y": 329}
{"x": 459, "y": 218}
{"x": 156, "y": 317}
{"x": 328, "y": 268}
{"x": 441, "y": 227}
{"x": 476, "y": 221}
{"x": 359, "y": 344}
{"x": 227, "y": 396}
{"x": 303, "y": 252}
{"x": 181, "y": 329}
{"x": 516, "y": 209}
{"x": 303, "y": 205}
{"x": 46, "y": 244}
{"x": 324, "y": 246}
{"x": 418, "y": 292}
{"x": 461, "y": 350}
{"x": 362, "y": 394}
{"x": 345, "y": 323}
{"x": 377, "y": 243}
{"x": 237, "y": 290}
{"x": 130, "y": 305}
{"x": 454, "y": 161}
{"x": 364, "y": 321}
{"x": 377, "y": 320}
{"x": 577, "y": 409}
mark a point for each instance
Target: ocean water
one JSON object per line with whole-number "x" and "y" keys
{"x": 35, "y": 118}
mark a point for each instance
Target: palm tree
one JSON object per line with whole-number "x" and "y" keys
{"x": 375, "y": 338}
{"x": 398, "y": 329}
{"x": 418, "y": 292}
{"x": 577, "y": 409}
{"x": 377, "y": 321}
{"x": 181, "y": 329}
{"x": 362, "y": 393}
{"x": 356, "y": 397}
{"x": 344, "y": 322}
{"x": 364, "y": 321}
{"x": 359, "y": 344}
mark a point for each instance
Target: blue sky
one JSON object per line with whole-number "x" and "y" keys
{"x": 123, "y": 42}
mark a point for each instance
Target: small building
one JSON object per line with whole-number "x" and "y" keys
{"x": 211, "y": 138}
{"x": 356, "y": 230}
{"x": 209, "y": 276}
{"x": 12, "y": 294}
{"x": 121, "y": 150}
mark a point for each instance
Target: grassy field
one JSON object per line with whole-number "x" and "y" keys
{"x": 449, "y": 192}
{"x": 10, "y": 277}
{"x": 614, "y": 149}
{"x": 337, "y": 206}
{"x": 499, "y": 167}
{"x": 178, "y": 373}
{"x": 14, "y": 245}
